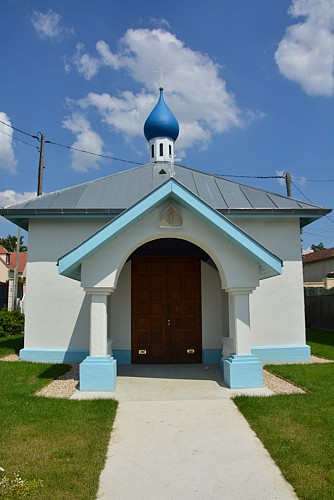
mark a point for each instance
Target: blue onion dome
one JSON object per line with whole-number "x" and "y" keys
{"x": 161, "y": 122}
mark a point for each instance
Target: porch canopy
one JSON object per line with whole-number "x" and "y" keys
{"x": 170, "y": 211}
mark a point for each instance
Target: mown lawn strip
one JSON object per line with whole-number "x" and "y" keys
{"x": 60, "y": 441}
{"x": 298, "y": 429}
{"x": 321, "y": 343}
{"x": 10, "y": 345}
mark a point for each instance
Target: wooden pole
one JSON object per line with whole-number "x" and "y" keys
{"x": 40, "y": 166}
{"x": 288, "y": 184}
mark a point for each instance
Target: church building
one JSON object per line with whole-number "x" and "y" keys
{"x": 164, "y": 264}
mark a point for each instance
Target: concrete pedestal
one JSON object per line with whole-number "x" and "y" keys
{"x": 242, "y": 371}
{"x": 98, "y": 374}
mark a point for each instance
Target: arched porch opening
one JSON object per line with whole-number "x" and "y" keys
{"x": 168, "y": 306}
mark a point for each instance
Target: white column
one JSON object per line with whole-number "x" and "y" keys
{"x": 98, "y": 370}
{"x": 239, "y": 319}
{"x": 98, "y": 321}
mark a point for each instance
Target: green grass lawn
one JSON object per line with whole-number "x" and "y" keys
{"x": 298, "y": 430}
{"x": 10, "y": 345}
{"x": 321, "y": 343}
{"x": 62, "y": 442}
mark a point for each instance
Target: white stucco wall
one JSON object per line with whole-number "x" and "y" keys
{"x": 277, "y": 305}
{"x": 317, "y": 270}
{"x": 56, "y": 308}
{"x": 214, "y": 309}
{"x": 120, "y": 311}
{"x": 3, "y": 272}
{"x": 236, "y": 268}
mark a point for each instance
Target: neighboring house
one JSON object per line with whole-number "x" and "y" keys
{"x": 7, "y": 268}
{"x": 166, "y": 264}
{"x": 4, "y": 264}
{"x": 318, "y": 268}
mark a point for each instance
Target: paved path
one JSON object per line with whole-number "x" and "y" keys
{"x": 177, "y": 435}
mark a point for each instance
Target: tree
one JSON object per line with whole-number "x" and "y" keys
{"x": 9, "y": 243}
{"x": 317, "y": 248}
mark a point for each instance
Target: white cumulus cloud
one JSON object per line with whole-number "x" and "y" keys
{"x": 48, "y": 25}
{"x": 7, "y": 155}
{"x": 85, "y": 64}
{"x": 281, "y": 178}
{"x": 194, "y": 89}
{"x": 11, "y": 197}
{"x": 160, "y": 22}
{"x": 86, "y": 140}
{"x": 306, "y": 52}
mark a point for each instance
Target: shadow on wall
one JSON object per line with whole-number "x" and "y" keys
{"x": 80, "y": 335}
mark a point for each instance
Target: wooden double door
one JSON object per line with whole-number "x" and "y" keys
{"x": 166, "y": 310}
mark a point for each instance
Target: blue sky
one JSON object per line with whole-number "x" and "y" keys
{"x": 251, "y": 83}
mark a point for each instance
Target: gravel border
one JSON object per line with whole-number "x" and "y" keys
{"x": 65, "y": 386}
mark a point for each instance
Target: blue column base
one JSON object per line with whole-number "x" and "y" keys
{"x": 98, "y": 374}
{"x": 295, "y": 353}
{"x": 243, "y": 371}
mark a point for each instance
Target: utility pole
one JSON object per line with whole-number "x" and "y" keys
{"x": 287, "y": 176}
{"x": 41, "y": 164}
{"x": 40, "y": 137}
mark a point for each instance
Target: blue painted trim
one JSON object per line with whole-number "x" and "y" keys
{"x": 241, "y": 372}
{"x": 122, "y": 356}
{"x": 211, "y": 356}
{"x": 230, "y": 230}
{"x": 53, "y": 355}
{"x": 282, "y": 353}
{"x": 98, "y": 374}
{"x": 70, "y": 264}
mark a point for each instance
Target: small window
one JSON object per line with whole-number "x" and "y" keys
{"x": 152, "y": 151}
{"x": 161, "y": 152}
{"x": 170, "y": 149}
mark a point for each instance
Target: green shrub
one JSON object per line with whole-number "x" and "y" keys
{"x": 11, "y": 322}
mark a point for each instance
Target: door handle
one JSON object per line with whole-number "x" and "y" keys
{"x": 168, "y": 322}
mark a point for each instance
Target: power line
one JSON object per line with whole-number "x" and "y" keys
{"x": 91, "y": 153}
{"x": 318, "y": 234}
{"x": 138, "y": 163}
{"x": 305, "y": 179}
{"x": 303, "y": 194}
{"x": 18, "y": 130}
{"x": 20, "y": 140}
{"x": 69, "y": 147}
{"x": 252, "y": 176}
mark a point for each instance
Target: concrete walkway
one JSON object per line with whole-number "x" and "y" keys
{"x": 177, "y": 435}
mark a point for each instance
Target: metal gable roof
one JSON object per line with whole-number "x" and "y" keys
{"x": 269, "y": 264}
{"x": 109, "y": 196}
